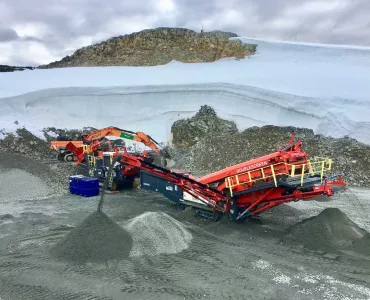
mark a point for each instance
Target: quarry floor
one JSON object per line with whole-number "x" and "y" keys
{"x": 176, "y": 255}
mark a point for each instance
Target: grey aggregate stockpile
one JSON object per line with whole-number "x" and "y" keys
{"x": 156, "y": 233}
{"x": 96, "y": 239}
{"x": 16, "y": 184}
{"x": 330, "y": 231}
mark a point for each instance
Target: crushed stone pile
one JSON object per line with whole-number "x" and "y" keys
{"x": 157, "y": 233}
{"x": 54, "y": 175}
{"x": 330, "y": 231}
{"x": 96, "y": 239}
{"x": 17, "y": 184}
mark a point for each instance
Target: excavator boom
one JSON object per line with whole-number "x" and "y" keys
{"x": 125, "y": 134}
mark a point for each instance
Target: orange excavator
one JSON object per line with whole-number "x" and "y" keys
{"x": 92, "y": 143}
{"x": 96, "y": 152}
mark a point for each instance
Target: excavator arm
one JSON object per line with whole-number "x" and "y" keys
{"x": 141, "y": 137}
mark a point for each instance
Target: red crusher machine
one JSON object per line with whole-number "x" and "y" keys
{"x": 249, "y": 188}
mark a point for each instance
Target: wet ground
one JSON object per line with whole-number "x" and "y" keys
{"x": 174, "y": 255}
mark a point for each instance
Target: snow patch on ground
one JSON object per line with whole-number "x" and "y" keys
{"x": 282, "y": 279}
{"x": 326, "y": 286}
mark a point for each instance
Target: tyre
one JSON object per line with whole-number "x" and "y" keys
{"x": 60, "y": 156}
{"x": 68, "y": 157}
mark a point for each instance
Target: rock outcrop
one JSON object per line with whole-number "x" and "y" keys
{"x": 187, "y": 133}
{"x": 204, "y": 146}
{"x": 158, "y": 47}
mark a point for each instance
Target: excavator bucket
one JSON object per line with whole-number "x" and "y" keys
{"x": 169, "y": 162}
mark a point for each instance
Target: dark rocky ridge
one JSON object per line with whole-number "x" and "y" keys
{"x": 206, "y": 144}
{"x": 6, "y": 68}
{"x": 157, "y": 47}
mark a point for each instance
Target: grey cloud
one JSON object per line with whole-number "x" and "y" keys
{"x": 8, "y": 34}
{"x": 260, "y": 22}
{"x": 61, "y": 16}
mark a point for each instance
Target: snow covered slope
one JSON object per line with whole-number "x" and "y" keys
{"x": 322, "y": 87}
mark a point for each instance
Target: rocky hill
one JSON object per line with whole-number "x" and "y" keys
{"x": 206, "y": 143}
{"x": 157, "y": 47}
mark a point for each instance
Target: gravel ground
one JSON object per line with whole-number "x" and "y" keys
{"x": 174, "y": 255}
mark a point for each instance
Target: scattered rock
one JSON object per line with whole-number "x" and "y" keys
{"x": 96, "y": 239}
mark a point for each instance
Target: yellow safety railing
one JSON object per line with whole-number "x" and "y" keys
{"x": 314, "y": 166}
{"x": 85, "y": 147}
{"x": 92, "y": 160}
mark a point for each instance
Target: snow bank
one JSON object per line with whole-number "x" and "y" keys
{"x": 321, "y": 87}
{"x": 154, "y": 109}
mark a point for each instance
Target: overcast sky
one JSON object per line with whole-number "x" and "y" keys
{"x": 34, "y": 32}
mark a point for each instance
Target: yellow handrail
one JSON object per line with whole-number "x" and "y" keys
{"x": 92, "y": 160}
{"x": 317, "y": 165}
